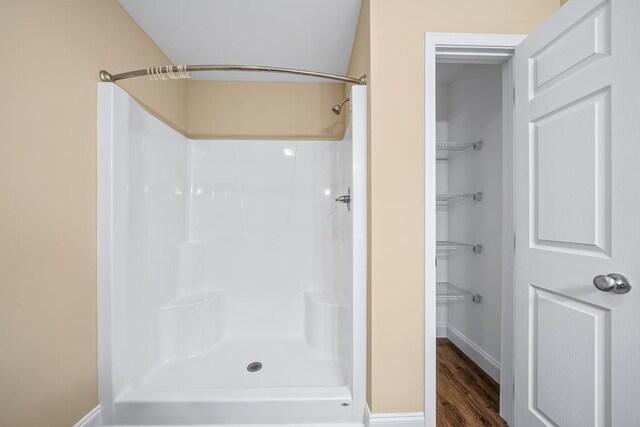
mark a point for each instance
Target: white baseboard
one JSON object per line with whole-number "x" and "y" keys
{"x": 441, "y": 330}
{"x": 475, "y": 353}
{"x": 409, "y": 419}
{"x": 92, "y": 419}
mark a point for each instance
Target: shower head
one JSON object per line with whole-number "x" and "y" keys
{"x": 337, "y": 109}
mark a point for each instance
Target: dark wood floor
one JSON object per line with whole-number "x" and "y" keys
{"x": 466, "y": 395}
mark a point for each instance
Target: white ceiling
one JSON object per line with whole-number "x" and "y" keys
{"x": 308, "y": 34}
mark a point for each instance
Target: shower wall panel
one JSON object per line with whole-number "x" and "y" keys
{"x": 264, "y": 213}
{"x": 226, "y": 239}
{"x": 148, "y": 196}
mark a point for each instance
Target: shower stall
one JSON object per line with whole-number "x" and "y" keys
{"x": 231, "y": 274}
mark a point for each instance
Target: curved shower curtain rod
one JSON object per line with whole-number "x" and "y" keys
{"x": 174, "y": 72}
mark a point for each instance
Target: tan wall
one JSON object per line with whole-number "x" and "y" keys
{"x": 396, "y": 151}
{"x": 51, "y": 52}
{"x": 246, "y": 110}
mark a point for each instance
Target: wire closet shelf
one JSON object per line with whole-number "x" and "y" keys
{"x": 447, "y": 292}
{"x": 443, "y": 201}
{"x": 444, "y": 248}
{"x": 448, "y": 150}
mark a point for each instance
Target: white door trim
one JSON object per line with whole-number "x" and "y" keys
{"x": 467, "y": 48}
{"x": 507, "y": 349}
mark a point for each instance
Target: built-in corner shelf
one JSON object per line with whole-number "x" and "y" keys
{"x": 449, "y": 150}
{"x": 446, "y": 292}
{"x": 444, "y": 200}
{"x": 444, "y": 248}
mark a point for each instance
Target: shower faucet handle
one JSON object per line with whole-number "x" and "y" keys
{"x": 346, "y": 198}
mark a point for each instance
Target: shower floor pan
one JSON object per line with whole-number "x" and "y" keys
{"x": 294, "y": 385}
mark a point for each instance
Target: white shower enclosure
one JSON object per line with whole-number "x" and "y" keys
{"x": 231, "y": 284}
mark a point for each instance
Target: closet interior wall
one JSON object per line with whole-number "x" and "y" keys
{"x": 469, "y": 109}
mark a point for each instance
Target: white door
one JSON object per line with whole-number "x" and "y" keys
{"x": 577, "y": 172}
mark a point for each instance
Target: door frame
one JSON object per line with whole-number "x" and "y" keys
{"x": 479, "y": 49}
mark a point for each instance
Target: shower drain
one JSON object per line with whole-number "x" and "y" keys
{"x": 254, "y": 366}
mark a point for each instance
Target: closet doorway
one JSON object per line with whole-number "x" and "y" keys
{"x": 469, "y": 229}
